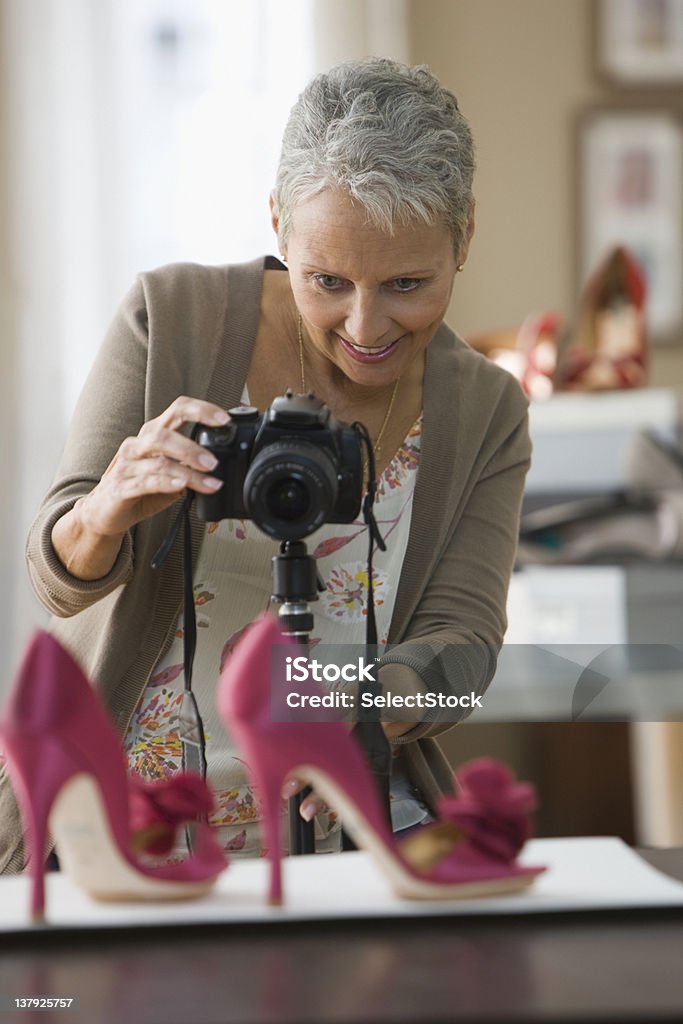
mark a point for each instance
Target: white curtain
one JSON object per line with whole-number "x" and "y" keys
{"x": 134, "y": 133}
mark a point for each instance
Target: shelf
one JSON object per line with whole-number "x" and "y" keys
{"x": 581, "y": 441}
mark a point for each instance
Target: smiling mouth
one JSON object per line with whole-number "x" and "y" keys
{"x": 368, "y": 351}
{"x": 372, "y": 350}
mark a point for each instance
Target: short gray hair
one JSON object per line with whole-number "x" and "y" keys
{"x": 388, "y": 134}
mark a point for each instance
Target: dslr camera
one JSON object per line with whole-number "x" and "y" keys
{"x": 290, "y": 469}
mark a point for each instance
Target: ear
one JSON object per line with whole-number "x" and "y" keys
{"x": 274, "y": 216}
{"x": 275, "y": 220}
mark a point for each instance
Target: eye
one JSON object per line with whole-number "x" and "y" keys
{"x": 406, "y": 284}
{"x": 329, "y": 282}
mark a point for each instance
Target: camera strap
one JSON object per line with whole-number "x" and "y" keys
{"x": 374, "y": 536}
{"x": 368, "y": 728}
{"x": 190, "y": 725}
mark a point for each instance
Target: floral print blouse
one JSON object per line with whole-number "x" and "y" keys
{"x": 232, "y": 586}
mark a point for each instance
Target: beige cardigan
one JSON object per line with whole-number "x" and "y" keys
{"x": 189, "y": 329}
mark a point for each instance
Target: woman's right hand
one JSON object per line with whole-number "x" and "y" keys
{"x": 147, "y": 474}
{"x": 150, "y": 470}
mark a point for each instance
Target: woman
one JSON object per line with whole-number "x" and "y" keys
{"x": 374, "y": 213}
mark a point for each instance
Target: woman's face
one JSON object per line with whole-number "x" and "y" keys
{"x": 371, "y": 302}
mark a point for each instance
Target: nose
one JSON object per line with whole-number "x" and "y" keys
{"x": 366, "y": 323}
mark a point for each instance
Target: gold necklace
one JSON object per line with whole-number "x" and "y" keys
{"x": 377, "y": 446}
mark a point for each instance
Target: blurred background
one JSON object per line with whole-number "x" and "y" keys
{"x": 139, "y": 132}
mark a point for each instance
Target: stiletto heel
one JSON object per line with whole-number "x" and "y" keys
{"x": 272, "y": 803}
{"x": 469, "y": 852}
{"x": 67, "y": 766}
{"x": 36, "y": 784}
{"x": 36, "y": 842}
{"x": 37, "y": 872}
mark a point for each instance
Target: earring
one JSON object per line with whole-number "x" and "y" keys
{"x": 461, "y": 267}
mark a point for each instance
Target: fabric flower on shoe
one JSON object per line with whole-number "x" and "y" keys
{"x": 491, "y": 809}
{"x": 157, "y": 809}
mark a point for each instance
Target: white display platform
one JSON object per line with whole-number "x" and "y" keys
{"x": 584, "y": 874}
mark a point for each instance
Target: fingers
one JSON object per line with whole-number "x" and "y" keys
{"x": 135, "y": 477}
{"x": 311, "y": 805}
{"x": 166, "y": 453}
{"x": 157, "y": 439}
{"x": 191, "y": 410}
{"x": 291, "y": 788}
{"x": 161, "y": 460}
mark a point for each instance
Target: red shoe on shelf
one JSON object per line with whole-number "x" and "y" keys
{"x": 67, "y": 766}
{"x": 469, "y": 852}
{"x": 529, "y": 352}
{"x": 608, "y": 349}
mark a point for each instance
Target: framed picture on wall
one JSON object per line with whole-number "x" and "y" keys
{"x": 640, "y": 42}
{"x": 630, "y": 193}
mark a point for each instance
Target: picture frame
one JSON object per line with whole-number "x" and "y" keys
{"x": 640, "y": 42}
{"x": 629, "y": 193}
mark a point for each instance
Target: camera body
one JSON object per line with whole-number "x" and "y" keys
{"x": 290, "y": 469}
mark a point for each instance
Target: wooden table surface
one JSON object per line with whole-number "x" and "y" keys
{"x": 618, "y": 967}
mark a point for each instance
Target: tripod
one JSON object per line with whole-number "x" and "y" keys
{"x": 295, "y": 583}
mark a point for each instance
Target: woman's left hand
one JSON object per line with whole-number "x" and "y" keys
{"x": 311, "y": 805}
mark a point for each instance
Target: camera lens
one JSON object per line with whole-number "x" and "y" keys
{"x": 288, "y": 499}
{"x": 290, "y": 489}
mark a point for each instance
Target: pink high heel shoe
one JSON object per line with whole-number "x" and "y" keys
{"x": 469, "y": 852}
{"x": 67, "y": 766}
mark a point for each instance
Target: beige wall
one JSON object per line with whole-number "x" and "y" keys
{"x": 522, "y": 70}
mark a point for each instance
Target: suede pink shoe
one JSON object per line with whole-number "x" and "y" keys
{"x": 468, "y": 853}
{"x": 67, "y": 766}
